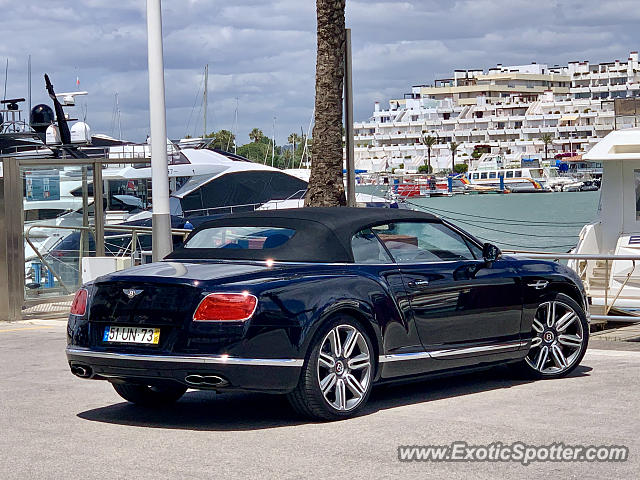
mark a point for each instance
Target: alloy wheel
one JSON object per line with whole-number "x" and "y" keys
{"x": 344, "y": 367}
{"x": 559, "y": 338}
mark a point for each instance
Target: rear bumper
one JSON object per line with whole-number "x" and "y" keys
{"x": 253, "y": 374}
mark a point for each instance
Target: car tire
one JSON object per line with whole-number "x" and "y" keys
{"x": 559, "y": 344}
{"x": 337, "y": 376}
{"x": 149, "y": 396}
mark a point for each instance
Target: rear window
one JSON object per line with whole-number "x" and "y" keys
{"x": 240, "y": 238}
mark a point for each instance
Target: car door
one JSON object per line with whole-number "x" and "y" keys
{"x": 370, "y": 256}
{"x": 461, "y": 304}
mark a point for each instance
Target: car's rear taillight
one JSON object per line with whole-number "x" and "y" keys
{"x": 226, "y": 307}
{"x": 79, "y": 304}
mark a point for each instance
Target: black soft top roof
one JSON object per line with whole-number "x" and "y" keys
{"x": 323, "y": 234}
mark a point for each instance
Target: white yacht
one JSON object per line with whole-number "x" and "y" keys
{"x": 614, "y": 284}
{"x": 201, "y": 182}
{"x": 493, "y": 170}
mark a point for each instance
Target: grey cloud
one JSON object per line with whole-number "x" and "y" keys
{"x": 263, "y": 53}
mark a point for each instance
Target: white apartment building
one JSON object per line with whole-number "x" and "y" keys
{"x": 506, "y": 109}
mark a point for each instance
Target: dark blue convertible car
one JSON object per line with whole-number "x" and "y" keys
{"x": 321, "y": 304}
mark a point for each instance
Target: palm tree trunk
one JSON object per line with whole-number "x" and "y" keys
{"x": 429, "y": 159}
{"x": 325, "y": 183}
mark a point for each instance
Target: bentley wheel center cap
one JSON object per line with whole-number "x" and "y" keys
{"x": 548, "y": 336}
{"x": 339, "y": 368}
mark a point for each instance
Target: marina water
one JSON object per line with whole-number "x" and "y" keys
{"x": 522, "y": 221}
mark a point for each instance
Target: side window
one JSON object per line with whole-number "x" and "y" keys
{"x": 483, "y": 175}
{"x": 477, "y": 251}
{"x": 367, "y": 248}
{"x": 412, "y": 242}
{"x": 492, "y": 174}
{"x": 509, "y": 173}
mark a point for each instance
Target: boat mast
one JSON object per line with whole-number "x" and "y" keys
{"x": 273, "y": 141}
{"x": 6, "y": 75}
{"x": 235, "y": 129}
{"x": 118, "y": 114}
{"x": 29, "y": 86}
{"x": 206, "y": 84}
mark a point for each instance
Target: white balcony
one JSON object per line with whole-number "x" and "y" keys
{"x": 580, "y": 90}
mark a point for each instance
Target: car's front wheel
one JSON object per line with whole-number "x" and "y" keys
{"x": 337, "y": 375}
{"x": 561, "y": 337}
{"x": 148, "y": 395}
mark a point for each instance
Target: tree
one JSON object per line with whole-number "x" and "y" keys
{"x": 326, "y": 187}
{"x": 222, "y": 140}
{"x": 256, "y": 135}
{"x": 294, "y": 139}
{"x": 453, "y": 146}
{"x": 546, "y": 139}
{"x": 461, "y": 168}
{"x": 428, "y": 141}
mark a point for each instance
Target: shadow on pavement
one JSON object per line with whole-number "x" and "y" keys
{"x": 208, "y": 411}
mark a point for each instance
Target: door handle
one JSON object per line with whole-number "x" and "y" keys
{"x": 418, "y": 283}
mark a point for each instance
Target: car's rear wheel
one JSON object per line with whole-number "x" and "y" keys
{"x": 148, "y": 395}
{"x": 561, "y": 338}
{"x": 337, "y": 375}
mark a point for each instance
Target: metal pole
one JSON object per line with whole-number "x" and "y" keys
{"x": 11, "y": 243}
{"x": 348, "y": 117}
{"x": 98, "y": 208}
{"x": 159, "y": 163}
{"x": 84, "y": 238}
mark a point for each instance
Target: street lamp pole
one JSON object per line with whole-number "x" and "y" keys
{"x": 161, "y": 218}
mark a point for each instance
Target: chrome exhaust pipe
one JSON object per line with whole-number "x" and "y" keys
{"x": 205, "y": 381}
{"x": 81, "y": 371}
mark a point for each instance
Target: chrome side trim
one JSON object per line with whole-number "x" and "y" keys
{"x": 451, "y": 352}
{"x": 205, "y": 360}
{"x": 398, "y": 357}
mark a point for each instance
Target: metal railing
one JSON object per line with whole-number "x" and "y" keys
{"x": 131, "y": 247}
{"x": 582, "y": 272}
{"x": 242, "y": 207}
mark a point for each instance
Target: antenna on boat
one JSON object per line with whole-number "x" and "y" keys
{"x": 65, "y": 135}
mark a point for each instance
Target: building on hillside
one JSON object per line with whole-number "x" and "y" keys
{"x": 507, "y": 110}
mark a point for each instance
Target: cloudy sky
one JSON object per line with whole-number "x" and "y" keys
{"x": 263, "y": 52}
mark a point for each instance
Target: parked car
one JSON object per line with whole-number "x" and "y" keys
{"x": 321, "y": 304}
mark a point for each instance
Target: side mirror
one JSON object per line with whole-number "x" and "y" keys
{"x": 490, "y": 253}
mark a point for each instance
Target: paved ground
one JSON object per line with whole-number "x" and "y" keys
{"x": 53, "y": 425}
